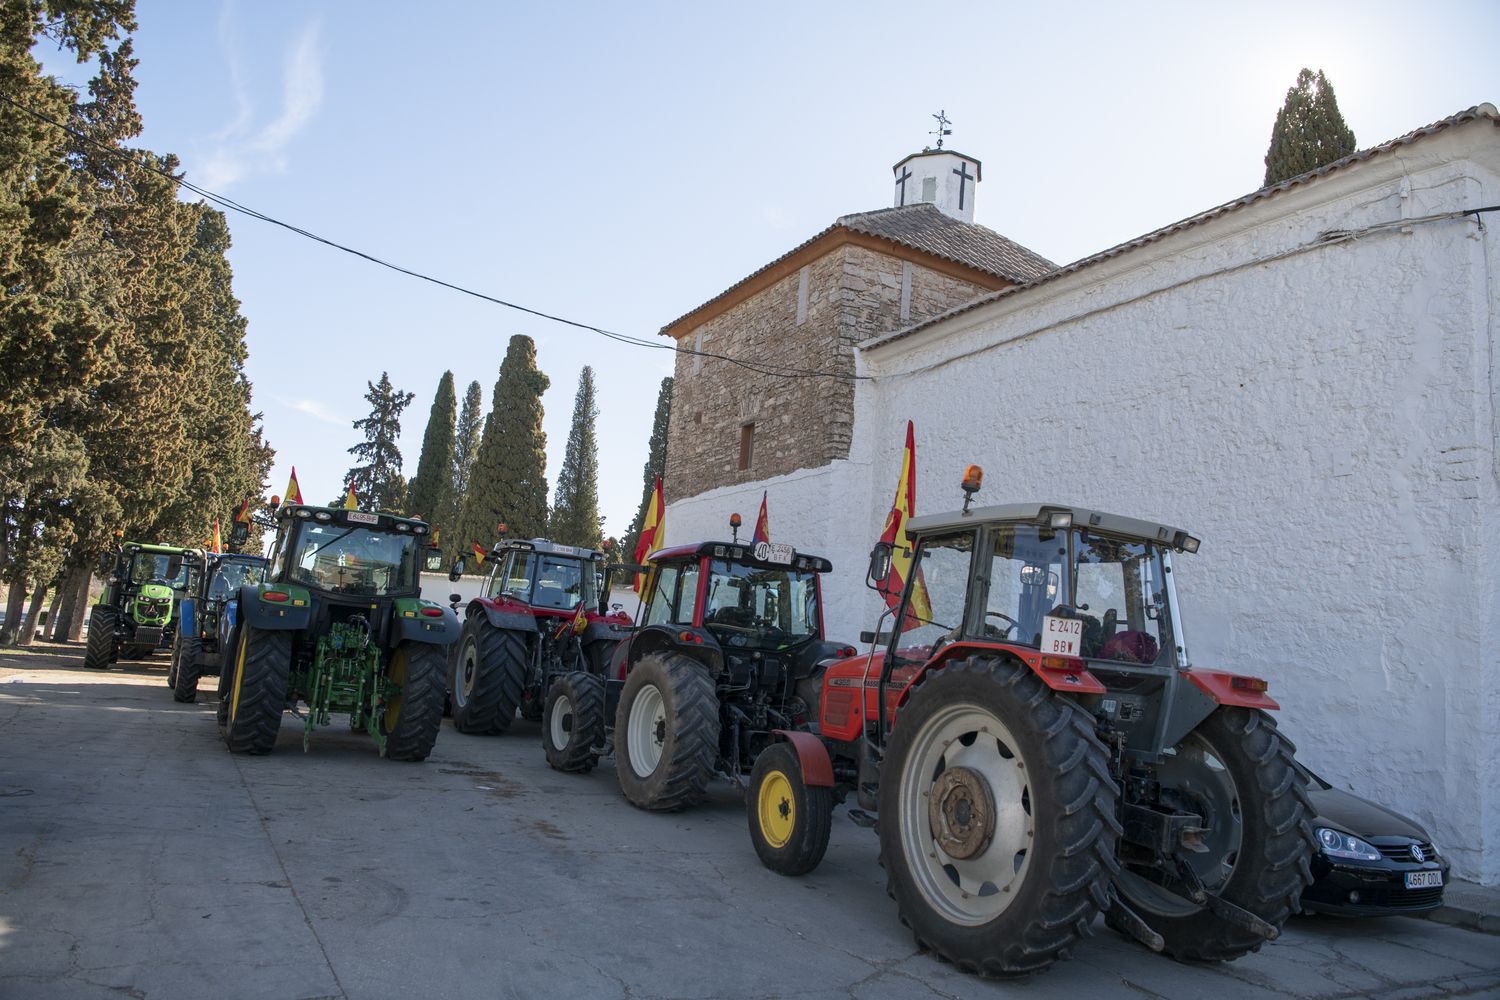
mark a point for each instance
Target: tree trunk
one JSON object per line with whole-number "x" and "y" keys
{"x": 61, "y": 619}
{"x": 81, "y": 606}
{"x": 28, "y": 628}
{"x": 13, "y": 608}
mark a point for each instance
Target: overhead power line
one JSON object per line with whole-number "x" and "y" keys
{"x": 223, "y": 201}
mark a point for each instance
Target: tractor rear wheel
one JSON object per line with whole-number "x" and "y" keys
{"x": 489, "y": 677}
{"x": 100, "y": 650}
{"x": 573, "y": 722}
{"x": 997, "y": 818}
{"x": 185, "y": 669}
{"x": 790, "y": 820}
{"x": 411, "y": 719}
{"x": 228, "y": 654}
{"x": 666, "y": 732}
{"x": 1237, "y": 772}
{"x": 257, "y": 695}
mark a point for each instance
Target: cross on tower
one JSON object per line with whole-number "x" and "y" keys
{"x": 942, "y": 122}
{"x": 905, "y": 176}
{"x": 963, "y": 178}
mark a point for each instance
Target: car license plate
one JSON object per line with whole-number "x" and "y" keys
{"x": 360, "y": 517}
{"x": 1061, "y": 636}
{"x": 1424, "y": 880}
{"x": 774, "y": 552}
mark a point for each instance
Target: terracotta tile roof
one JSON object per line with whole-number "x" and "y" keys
{"x": 923, "y": 228}
{"x": 1481, "y": 111}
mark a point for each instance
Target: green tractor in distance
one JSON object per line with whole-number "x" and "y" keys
{"x": 137, "y": 613}
{"x": 340, "y": 625}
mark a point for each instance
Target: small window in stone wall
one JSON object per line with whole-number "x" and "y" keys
{"x": 747, "y": 446}
{"x": 929, "y": 189}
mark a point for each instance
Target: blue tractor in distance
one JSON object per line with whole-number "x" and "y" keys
{"x": 207, "y": 619}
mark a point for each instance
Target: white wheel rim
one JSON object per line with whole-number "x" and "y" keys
{"x": 468, "y": 669}
{"x": 561, "y": 723}
{"x": 973, "y": 891}
{"x": 648, "y": 725}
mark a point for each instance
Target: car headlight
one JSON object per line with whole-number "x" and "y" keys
{"x": 1342, "y": 845}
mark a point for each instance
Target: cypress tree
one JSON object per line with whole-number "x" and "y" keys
{"x": 378, "y": 483}
{"x": 508, "y": 482}
{"x": 1309, "y": 130}
{"x": 465, "y": 452}
{"x": 656, "y": 464}
{"x": 575, "y": 513}
{"x": 431, "y": 494}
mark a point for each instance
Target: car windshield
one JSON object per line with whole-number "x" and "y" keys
{"x": 159, "y": 567}
{"x": 355, "y": 560}
{"x": 547, "y": 581}
{"x": 760, "y": 606}
{"x": 231, "y": 576}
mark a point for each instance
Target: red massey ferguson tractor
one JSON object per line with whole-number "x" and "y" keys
{"x": 1036, "y": 748}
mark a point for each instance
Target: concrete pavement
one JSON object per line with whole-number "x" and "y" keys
{"x": 139, "y": 859}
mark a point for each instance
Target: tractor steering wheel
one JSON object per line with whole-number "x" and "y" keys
{"x": 1008, "y": 629}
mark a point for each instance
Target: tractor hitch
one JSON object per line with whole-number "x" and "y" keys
{"x": 1162, "y": 833}
{"x": 1132, "y": 922}
{"x": 1219, "y": 906}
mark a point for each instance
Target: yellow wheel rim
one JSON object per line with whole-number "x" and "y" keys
{"x": 239, "y": 671}
{"x": 396, "y": 674}
{"x": 777, "y": 809}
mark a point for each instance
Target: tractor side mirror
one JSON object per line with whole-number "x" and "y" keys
{"x": 106, "y": 564}
{"x": 880, "y": 566}
{"x": 455, "y": 599}
{"x": 434, "y": 561}
{"x": 457, "y": 570}
{"x": 239, "y": 534}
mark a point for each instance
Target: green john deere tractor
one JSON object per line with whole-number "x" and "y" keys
{"x": 340, "y": 625}
{"x": 137, "y": 613}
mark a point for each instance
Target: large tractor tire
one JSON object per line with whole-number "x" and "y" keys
{"x": 257, "y": 694}
{"x": 573, "y": 722}
{"x": 228, "y": 658}
{"x": 411, "y": 719}
{"x": 790, "y": 820}
{"x": 99, "y": 652}
{"x": 1237, "y": 772}
{"x": 997, "y": 818}
{"x": 666, "y": 732}
{"x": 489, "y": 678}
{"x": 185, "y": 669}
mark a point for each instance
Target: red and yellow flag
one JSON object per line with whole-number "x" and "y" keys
{"x": 218, "y": 542}
{"x": 479, "y": 553}
{"x": 293, "y": 491}
{"x": 351, "y": 499}
{"x": 437, "y": 533}
{"x": 243, "y": 517}
{"x": 902, "y": 509}
{"x": 653, "y": 531}
{"x": 578, "y": 622}
{"x": 762, "y": 522}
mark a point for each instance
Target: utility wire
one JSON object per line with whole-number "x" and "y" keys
{"x": 759, "y": 367}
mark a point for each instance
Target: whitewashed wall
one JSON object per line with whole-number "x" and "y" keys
{"x": 1325, "y": 418}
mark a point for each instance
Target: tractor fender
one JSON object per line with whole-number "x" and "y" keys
{"x": 1074, "y": 680}
{"x": 412, "y": 620}
{"x": 1226, "y": 688}
{"x": 512, "y": 620}
{"x": 668, "y": 638}
{"x": 187, "y": 616}
{"x": 293, "y": 613}
{"x": 817, "y": 768}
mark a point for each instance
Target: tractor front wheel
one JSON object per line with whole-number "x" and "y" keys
{"x": 790, "y": 820}
{"x": 257, "y": 696}
{"x": 489, "y": 677}
{"x": 410, "y": 719}
{"x": 185, "y": 669}
{"x": 1237, "y": 772}
{"x": 573, "y": 722}
{"x": 100, "y": 650}
{"x": 997, "y": 818}
{"x": 666, "y": 732}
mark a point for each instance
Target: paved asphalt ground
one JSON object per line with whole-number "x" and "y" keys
{"x": 139, "y": 859}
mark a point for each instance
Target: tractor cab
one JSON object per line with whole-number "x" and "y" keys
{"x": 143, "y": 584}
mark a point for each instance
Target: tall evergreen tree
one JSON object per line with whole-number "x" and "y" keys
{"x": 431, "y": 493}
{"x": 1309, "y": 130}
{"x": 575, "y": 510}
{"x": 508, "y": 483}
{"x": 656, "y": 464}
{"x": 465, "y": 452}
{"x": 378, "y": 481}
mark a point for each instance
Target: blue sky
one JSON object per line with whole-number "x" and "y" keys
{"x": 621, "y": 164}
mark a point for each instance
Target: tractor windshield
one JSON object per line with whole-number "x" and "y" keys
{"x": 547, "y": 581}
{"x": 229, "y": 577}
{"x": 158, "y": 567}
{"x": 757, "y": 606}
{"x": 355, "y": 560}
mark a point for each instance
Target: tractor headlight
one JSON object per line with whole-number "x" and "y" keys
{"x": 323, "y": 515}
{"x": 304, "y": 513}
{"x": 1341, "y": 845}
{"x": 402, "y": 526}
{"x": 1060, "y": 519}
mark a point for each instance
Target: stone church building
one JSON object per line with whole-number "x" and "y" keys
{"x": 1307, "y": 377}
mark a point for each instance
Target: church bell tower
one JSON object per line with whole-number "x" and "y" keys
{"x": 940, "y": 177}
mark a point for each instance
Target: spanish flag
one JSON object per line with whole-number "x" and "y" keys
{"x": 653, "y": 531}
{"x": 293, "y": 491}
{"x": 762, "y": 522}
{"x": 479, "y": 554}
{"x": 218, "y": 542}
{"x": 243, "y": 517}
{"x": 919, "y": 609}
{"x": 351, "y": 499}
{"x": 579, "y": 622}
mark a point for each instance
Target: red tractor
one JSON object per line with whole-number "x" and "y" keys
{"x": 1036, "y": 749}
{"x": 541, "y": 629}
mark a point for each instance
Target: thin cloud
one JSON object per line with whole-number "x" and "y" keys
{"x": 315, "y": 409}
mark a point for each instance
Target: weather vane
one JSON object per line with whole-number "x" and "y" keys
{"x": 942, "y": 120}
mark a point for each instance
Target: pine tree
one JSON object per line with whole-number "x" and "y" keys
{"x": 508, "y": 483}
{"x": 656, "y": 464}
{"x": 431, "y": 493}
{"x": 575, "y": 512}
{"x": 378, "y": 482}
{"x": 1309, "y": 130}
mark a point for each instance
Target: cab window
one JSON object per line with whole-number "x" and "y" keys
{"x": 659, "y": 611}
{"x": 937, "y": 588}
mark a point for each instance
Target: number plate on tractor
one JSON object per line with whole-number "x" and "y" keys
{"x": 1424, "y": 880}
{"x": 360, "y": 517}
{"x": 1061, "y": 636}
{"x": 773, "y": 552}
